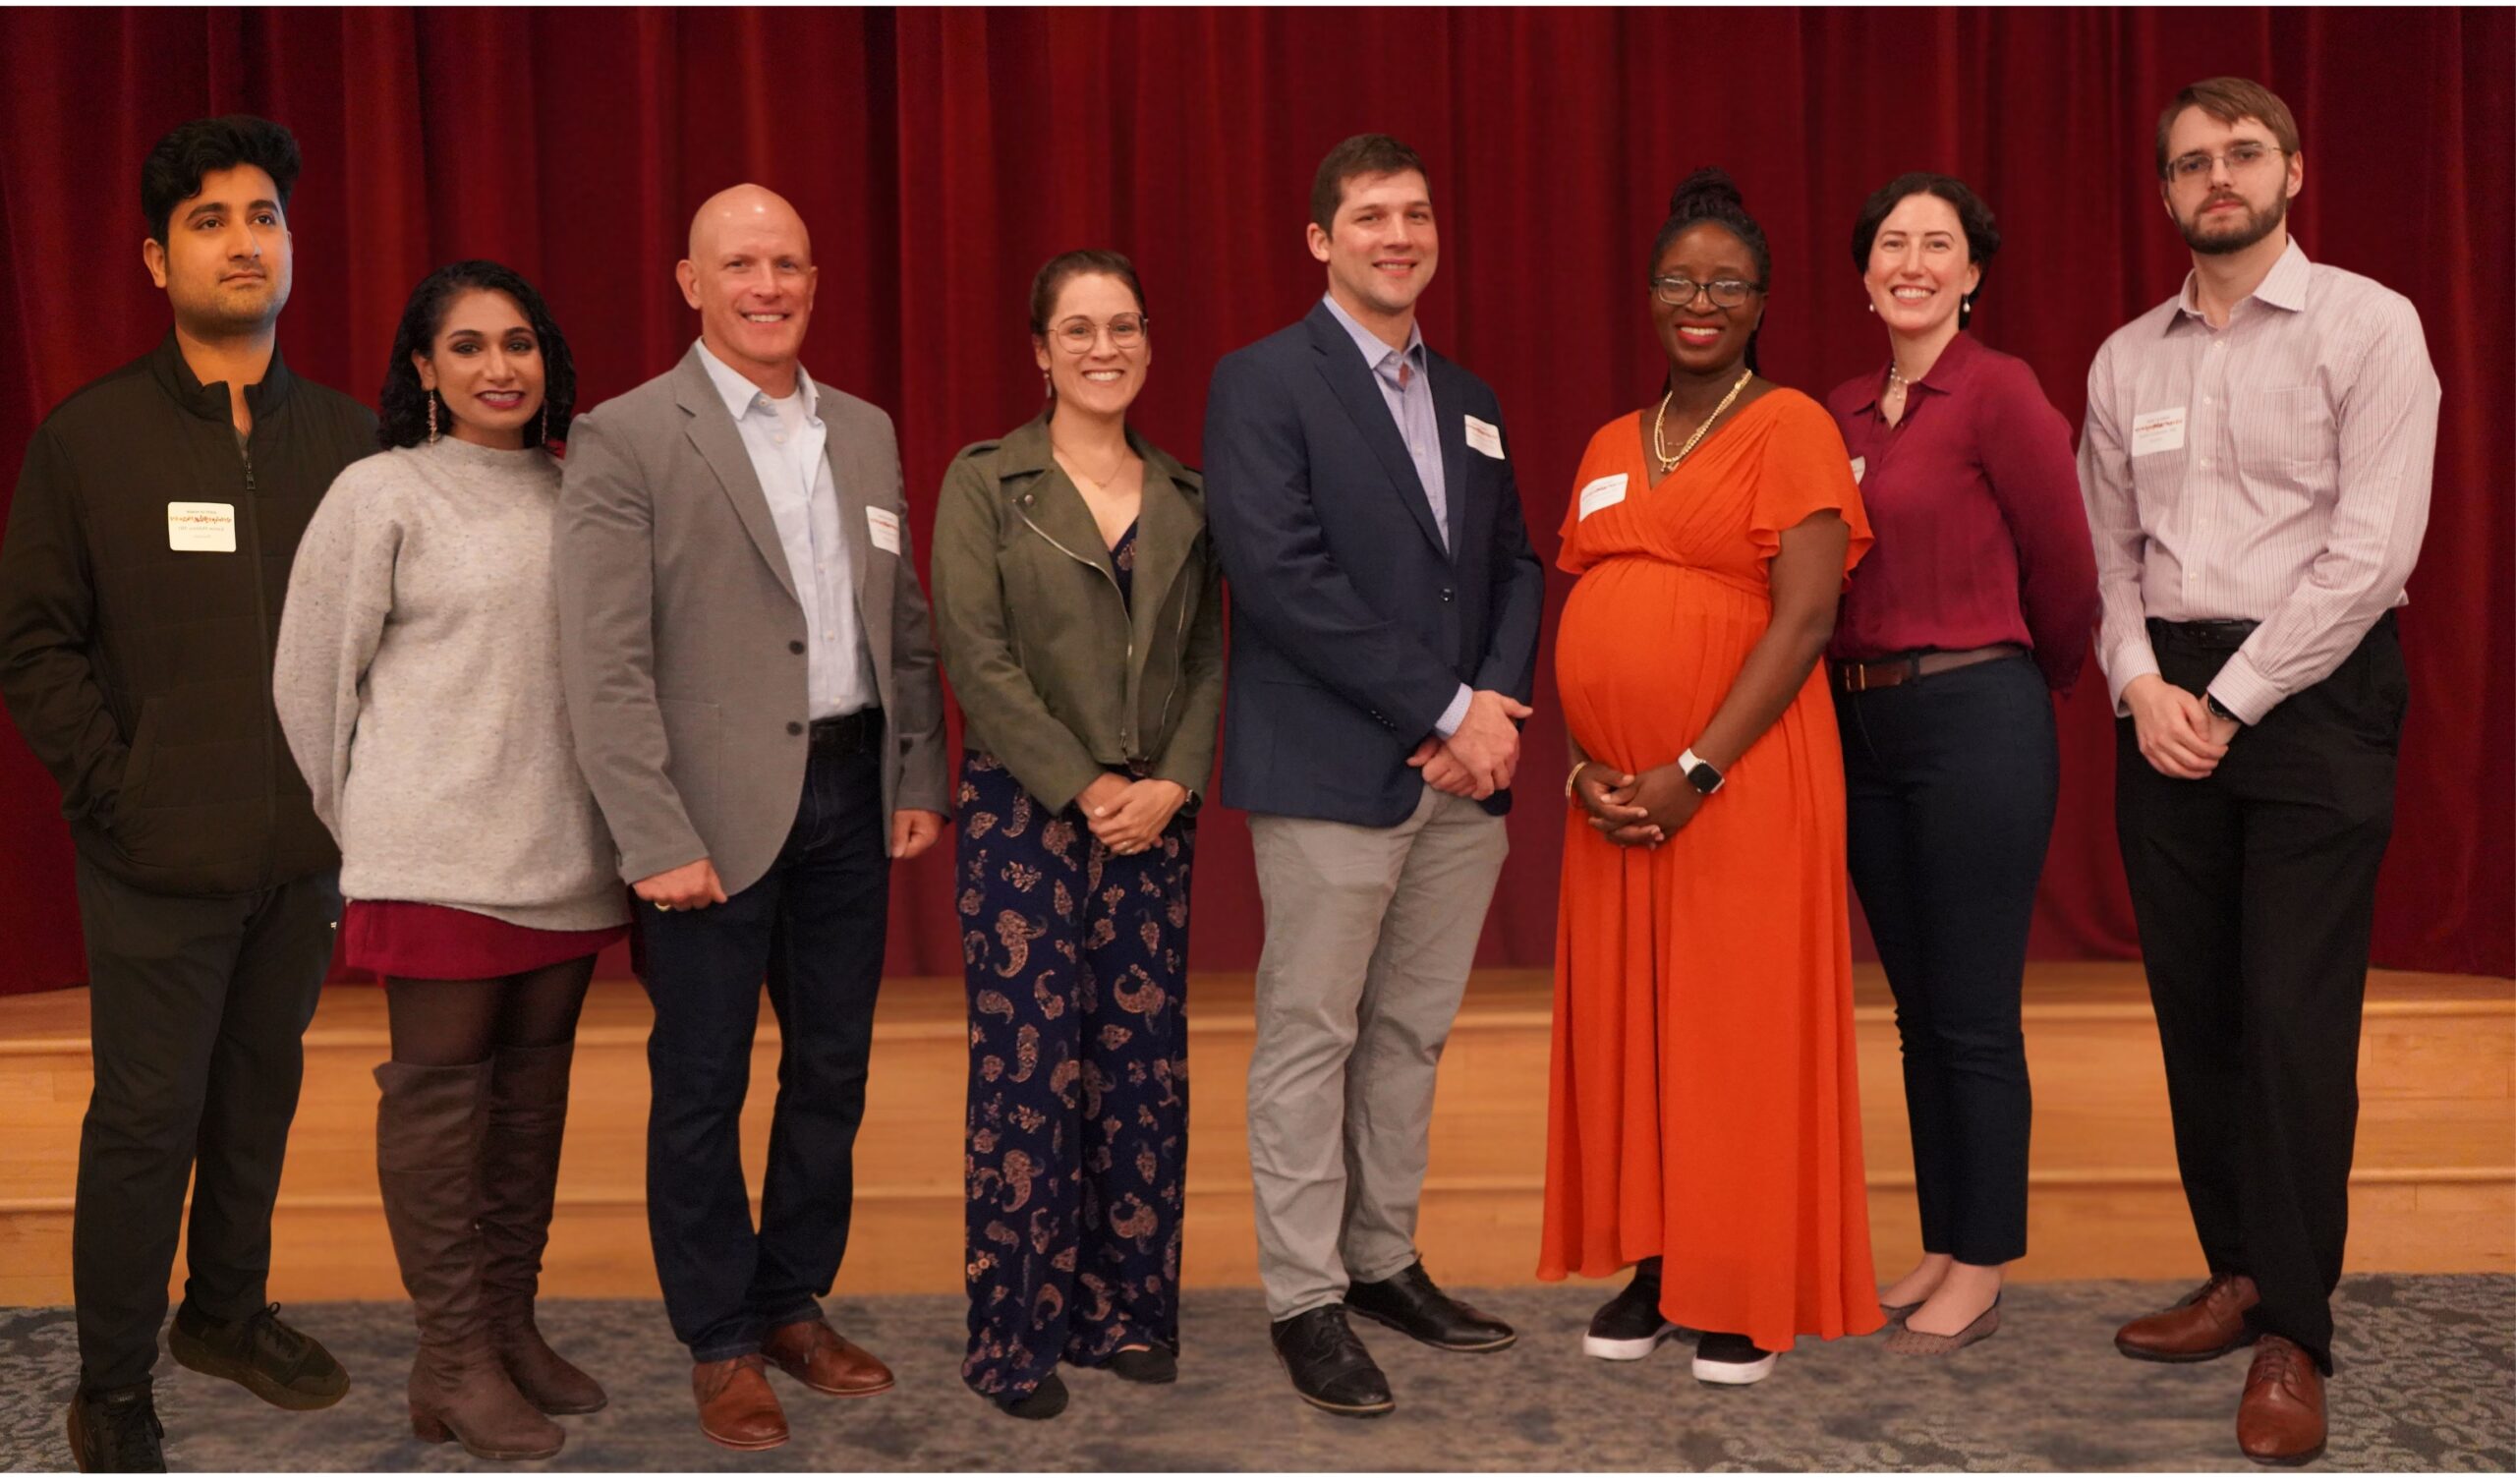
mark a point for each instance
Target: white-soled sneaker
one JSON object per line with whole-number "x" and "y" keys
{"x": 1628, "y": 1327}
{"x": 1729, "y": 1360}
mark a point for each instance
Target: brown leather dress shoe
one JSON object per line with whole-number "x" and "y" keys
{"x": 819, "y": 1356}
{"x": 2204, "y": 1324}
{"x": 736, "y": 1408}
{"x": 2281, "y": 1418}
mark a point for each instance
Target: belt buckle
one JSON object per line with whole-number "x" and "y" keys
{"x": 1857, "y": 677}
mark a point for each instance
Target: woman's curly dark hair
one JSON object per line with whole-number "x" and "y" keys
{"x": 402, "y": 407}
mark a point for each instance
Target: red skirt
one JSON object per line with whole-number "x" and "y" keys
{"x": 423, "y": 940}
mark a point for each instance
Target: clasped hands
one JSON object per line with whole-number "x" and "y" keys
{"x": 688, "y": 887}
{"x": 2178, "y": 734}
{"x": 1128, "y": 815}
{"x": 1479, "y": 758}
{"x": 1630, "y": 810}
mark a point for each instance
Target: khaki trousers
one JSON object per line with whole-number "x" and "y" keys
{"x": 1370, "y": 936}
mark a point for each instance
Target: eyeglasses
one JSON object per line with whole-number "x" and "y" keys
{"x": 1727, "y": 293}
{"x": 2241, "y": 159}
{"x": 1126, "y": 332}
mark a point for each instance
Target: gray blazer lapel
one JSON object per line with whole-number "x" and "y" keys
{"x": 857, "y": 483}
{"x": 720, "y": 443}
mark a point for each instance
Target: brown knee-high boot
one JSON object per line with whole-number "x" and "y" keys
{"x": 519, "y": 1173}
{"x": 429, "y": 1129}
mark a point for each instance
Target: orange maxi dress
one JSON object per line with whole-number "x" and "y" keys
{"x": 1704, "y": 1103}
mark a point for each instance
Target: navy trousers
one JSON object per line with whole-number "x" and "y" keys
{"x": 1948, "y": 783}
{"x": 813, "y": 928}
{"x": 1076, "y": 961}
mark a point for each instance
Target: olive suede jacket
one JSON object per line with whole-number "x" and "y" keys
{"x": 1056, "y": 674}
{"x": 136, "y": 661}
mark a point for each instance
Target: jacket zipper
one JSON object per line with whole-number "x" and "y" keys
{"x": 1163, "y": 722}
{"x": 262, "y": 615}
{"x": 1105, "y": 575}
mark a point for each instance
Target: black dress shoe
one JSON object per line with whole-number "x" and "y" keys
{"x": 1045, "y": 1400}
{"x": 117, "y": 1432}
{"x": 1153, "y": 1367}
{"x": 1329, "y": 1368}
{"x": 1411, "y": 1305}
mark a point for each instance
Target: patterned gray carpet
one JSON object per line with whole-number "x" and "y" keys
{"x": 2426, "y": 1381}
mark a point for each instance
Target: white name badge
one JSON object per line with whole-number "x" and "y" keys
{"x": 2160, "y": 432}
{"x": 199, "y": 525}
{"x": 1485, "y": 438}
{"x": 1600, "y": 493}
{"x": 1859, "y": 470}
{"x": 885, "y": 528}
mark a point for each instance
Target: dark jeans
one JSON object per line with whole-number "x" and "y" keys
{"x": 2256, "y": 891}
{"x": 1950, "y": 782}
{"x": 199, "y": 1008}
{"x": 813, "y": 928}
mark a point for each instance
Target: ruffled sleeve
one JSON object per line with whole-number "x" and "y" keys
{"x": 1806, "y": 469}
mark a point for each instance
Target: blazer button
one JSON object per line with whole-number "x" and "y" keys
{"x": 794, "y": 729}
{"x": 1446, "y": 594}
{"x": 795, "y": 646}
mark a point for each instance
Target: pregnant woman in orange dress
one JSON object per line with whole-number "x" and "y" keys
{"x": 1705, "y": 1123}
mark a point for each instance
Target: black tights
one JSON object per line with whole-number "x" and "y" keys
{"x": 462, "y": 1022}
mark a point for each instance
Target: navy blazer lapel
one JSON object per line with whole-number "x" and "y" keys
{"x": 1450, "y": 417}
{"x": 720, "y": 443}
{"x": 1359, "y": 392}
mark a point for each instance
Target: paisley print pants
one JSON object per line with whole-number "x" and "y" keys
{"x": 1076, "y": 961}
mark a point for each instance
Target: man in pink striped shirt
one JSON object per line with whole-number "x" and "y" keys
{"x": 2256, "y": 463}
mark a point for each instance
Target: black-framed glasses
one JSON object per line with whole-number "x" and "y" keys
{"x": 1126, "y": 332}
{"x": 2242, "y": 158}
{"x": 1726, "y": 293}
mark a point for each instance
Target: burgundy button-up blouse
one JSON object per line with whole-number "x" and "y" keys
{"x": 1975, "y": 497}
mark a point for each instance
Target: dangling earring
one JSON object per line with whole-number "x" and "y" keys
{"x": 1046, "y": 387}
{"x": 1870, "y": 307}
{"x": 431, "y": 416}
{"x": 541, "y": 433}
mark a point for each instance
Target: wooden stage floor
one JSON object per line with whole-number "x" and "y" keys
{"x": 2434, "y": 1184}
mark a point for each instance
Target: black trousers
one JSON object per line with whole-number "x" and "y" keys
{"x": 2256, "y": 891}
{"x": 813, "y": 928}
{"x": 1950, "y": 781}
{"x": 199, "y": 1008}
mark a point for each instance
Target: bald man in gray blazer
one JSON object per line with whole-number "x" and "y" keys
{"x": 750, "y": 673}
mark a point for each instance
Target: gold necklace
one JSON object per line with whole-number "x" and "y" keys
{"x": 1660, "y": 450}
{"x": 1074, "y": 466}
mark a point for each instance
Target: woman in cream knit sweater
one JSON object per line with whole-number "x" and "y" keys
{"x": 417, "y": 681}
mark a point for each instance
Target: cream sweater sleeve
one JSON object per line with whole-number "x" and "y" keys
{"x": 340, "y": 593}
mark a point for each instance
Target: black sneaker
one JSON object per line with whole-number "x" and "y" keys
{"x": 1044, "y": 1401}
{"x": 1329, "y": 1368}
{"x": 260, "y": 1354}
{"x": 1152, "y": 1367}
{"x": 1629, "y": 1326}
{"x": 117, "y": 1432}
{"x": 1729, "y": 1360}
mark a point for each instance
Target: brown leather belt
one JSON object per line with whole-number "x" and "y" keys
{"x": 1853, "y": 676}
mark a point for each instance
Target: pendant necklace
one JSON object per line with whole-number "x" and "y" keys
{"x": 1669, "y": 462}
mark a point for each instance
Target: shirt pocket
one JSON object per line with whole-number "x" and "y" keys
{"x": 2286, "y": 430}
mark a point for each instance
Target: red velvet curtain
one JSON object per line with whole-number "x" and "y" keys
{"x": 941, "y": 155}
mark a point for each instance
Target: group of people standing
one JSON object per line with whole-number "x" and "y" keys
{"x": 693, "y": 656}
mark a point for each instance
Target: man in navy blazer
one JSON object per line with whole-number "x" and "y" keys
{"x": 1385, "y": 621}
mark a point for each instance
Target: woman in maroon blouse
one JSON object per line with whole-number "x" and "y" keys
{"x": 1978, "y": 599}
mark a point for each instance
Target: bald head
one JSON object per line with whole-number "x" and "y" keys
{"x": 739, "y": 206}
{"x": 750, "y": 275}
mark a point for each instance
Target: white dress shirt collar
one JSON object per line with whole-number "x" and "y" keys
{"x": 740, "y": 391}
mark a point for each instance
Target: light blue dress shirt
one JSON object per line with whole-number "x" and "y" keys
{"x": 787, "y": 444}
{"x": 1399, "y": 374}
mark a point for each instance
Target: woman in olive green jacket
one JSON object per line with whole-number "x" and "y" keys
{"x": 1080, "y": 614}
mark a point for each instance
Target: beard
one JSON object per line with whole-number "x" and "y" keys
{"x": 2220, "y": 241}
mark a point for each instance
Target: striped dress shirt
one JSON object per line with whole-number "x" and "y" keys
{"x": 2275, "y": 470}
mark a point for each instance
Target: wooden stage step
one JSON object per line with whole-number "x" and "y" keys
{"x": 2434, "y": 1184}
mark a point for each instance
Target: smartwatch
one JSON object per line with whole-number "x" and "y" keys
{"x": 1705, "y": 778}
